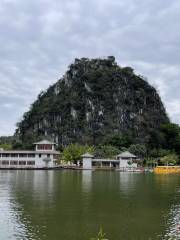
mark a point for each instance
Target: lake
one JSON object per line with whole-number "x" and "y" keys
{"x": 73, "y": 205}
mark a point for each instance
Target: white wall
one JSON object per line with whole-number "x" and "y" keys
{"x": 87, "y": 163}
{"x": 124, "y": 164}
{"x": 39, "y": 163}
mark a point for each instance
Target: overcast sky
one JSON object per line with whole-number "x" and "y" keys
{"x": 40, "y": 38}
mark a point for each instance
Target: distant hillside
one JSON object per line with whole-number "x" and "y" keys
{"x": 95, "y": 99}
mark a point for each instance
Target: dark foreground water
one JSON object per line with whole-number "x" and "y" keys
{"x": 72, "y": 205}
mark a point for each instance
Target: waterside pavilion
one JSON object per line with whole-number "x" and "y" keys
{"x": 123, "y": 161}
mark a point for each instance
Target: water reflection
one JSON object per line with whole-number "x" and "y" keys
{"x": 38, "y": 182}
{"x": 173, "y": 223}
{"x": 31, "y": 195}
{"x": 67, "y": 205}
{"x": 10, "y": 226}
{"x": 128, "y": 182}
{"x": 86, "y": 180}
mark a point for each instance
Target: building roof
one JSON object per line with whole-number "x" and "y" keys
{"x": 28, "y": 152}
{"x": 126, "y": 154}
{"x": 45, "y": 142}
{"x": 87, "y": 155}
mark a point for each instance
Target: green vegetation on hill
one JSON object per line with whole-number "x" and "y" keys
{"x": 95, "y": 102}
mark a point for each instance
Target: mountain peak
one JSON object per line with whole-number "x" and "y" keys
{"x": 95, "y": 99}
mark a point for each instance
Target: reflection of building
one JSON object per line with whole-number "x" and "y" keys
{"x": 127, "y": 182}
{"x": 44, "y": 156}
{"x": 86, "y": 180}
{"x": 122, "y": 161}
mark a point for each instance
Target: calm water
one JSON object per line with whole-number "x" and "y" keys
{"x": 72, "y": 205}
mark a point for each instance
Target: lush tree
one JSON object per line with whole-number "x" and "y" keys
{"x": 138, "y": 149}
{"x": 124, "y": 149}
{"x": 163, "y": 152}
{"x": 150, "y": 162}
{"x": 169, "y": 159}
{"x": 74, "y": 152}
{"x": 156, "y": 153}
{"x": 153, "y": 153}
{"x": 156, "y": 139}
{"x": 106, "y": 151}
{"x": 6, "y": 142}
{"x": 18, "y": 145}
{"x": 171, "y": 134}
{"x": 166, "y": 138}
{"x": 119, "y": 141}
{"x": 6, "y": 146}
{"x": 6, "y": 139}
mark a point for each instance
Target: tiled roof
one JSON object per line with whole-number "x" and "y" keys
{"x": 87, "y": 155}
{"x": 45, "y": 142}
{"x": 126, "y": 154}
{"x": 29, "y": 151}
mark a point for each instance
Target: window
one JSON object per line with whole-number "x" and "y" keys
{"x": 5, "y": 154}
{"x": 13, "y": 162}
{"x": 31, "y": 163}
{"x": 39, "y": 155}
{"x": 31, "y": 155}
{"x": 22, "y": 162}
{"x": 14, "y": 155}
{"x": 22, "y": 155}
{"x": 44, "y": 147}
{"x": 48, "y": 155}
{"x": 5, "y": 162}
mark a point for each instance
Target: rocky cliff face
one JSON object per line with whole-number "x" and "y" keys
{"x": 95, "y": 99}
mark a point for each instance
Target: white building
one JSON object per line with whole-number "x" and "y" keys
{"x": 87, "y": 161}
{"x": 44, "y": 156}
{"x": 125, "y": 160}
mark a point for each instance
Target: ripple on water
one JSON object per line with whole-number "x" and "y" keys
{"x": 174, "y": 223}
{"x": 11, "y": 226}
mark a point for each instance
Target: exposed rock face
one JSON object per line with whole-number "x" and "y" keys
{"x": 95, "y": 98}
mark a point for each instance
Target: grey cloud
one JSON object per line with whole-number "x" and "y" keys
{"x": 39, "y": 39}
